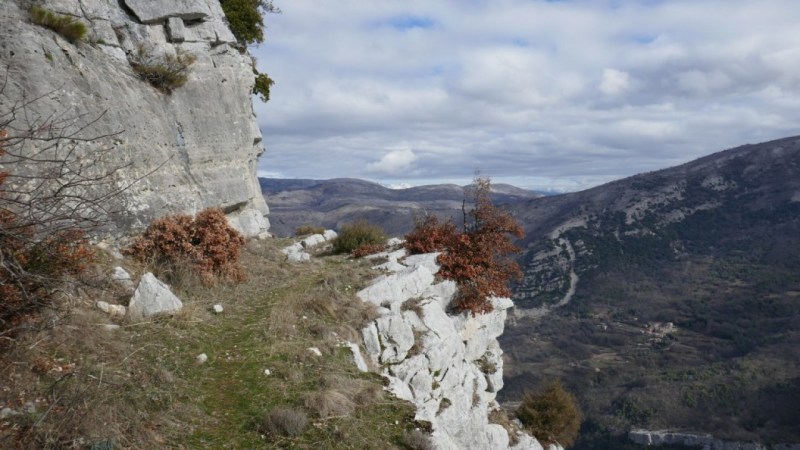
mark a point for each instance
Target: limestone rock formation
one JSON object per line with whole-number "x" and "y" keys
{"x": 194, "y": 148}
{"x": 449, "y": 366}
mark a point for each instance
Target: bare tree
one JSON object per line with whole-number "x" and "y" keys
{"x": 58, "y": 186}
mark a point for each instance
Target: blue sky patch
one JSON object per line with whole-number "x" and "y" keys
{"x": 408, "y": 22}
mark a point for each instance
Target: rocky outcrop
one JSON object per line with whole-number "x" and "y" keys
{"x": 299, "y": 251}
{"x": 449, "y": 366}
{"x": 194, "y": 148}
{"x": 703, "y": 441}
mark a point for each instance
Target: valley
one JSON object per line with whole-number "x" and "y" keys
{"x": 667, "y": 300}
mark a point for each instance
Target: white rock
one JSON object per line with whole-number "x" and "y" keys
{"x": 315, "y": 351}
{"x": 153, "y": 297}
{"x": 122, "y": 277}
{"x": 395, "y": 241}
{"x": 371, "y": 342}
{"x": 176, "y": 30}
{"x": 452, "y": 354}
{"x": 427, "y": 260}
{"x": 298, "y": 257}
{"x": 7, "y": 412}
{"x": 313, "y": 240}
{"x": 218, "y": 309}
{"x": 202, "y": 358}
{"x": 112, "y": 310}
{"x": 149, "y": 11}
{"x": 330, "y": 235}
{"x": 294, "y": 248}
{"x": 390, "y": 266}
{"x": 359, "y": 360}
{"x": 249, "y": 222}
{"x": 267, "y": 372}
{"x": 397, "y": 287}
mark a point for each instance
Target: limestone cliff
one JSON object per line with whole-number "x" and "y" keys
{"x": 194, "y": 148}
{"x": 449, "y": 366}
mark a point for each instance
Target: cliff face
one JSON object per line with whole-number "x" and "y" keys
{"x": 194, "y": 148}
{"x": 449, "y": 366}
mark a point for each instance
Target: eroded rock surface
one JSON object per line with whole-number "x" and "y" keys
{"x": 194, "y": 148}
{"x": 449, "y": 366}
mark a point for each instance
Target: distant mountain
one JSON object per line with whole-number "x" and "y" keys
{"x": 331, "y": 203}
{"x": 674, "y": 298}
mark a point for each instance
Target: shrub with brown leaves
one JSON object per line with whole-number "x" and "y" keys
{"x": 430, "y": 235}
{"x": 207, "y": 242}
{"x": 367, "y": 249}
{"x": 32, "y": 263}
{"x": 477, "y": 258}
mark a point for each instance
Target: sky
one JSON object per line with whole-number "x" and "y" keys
{"x": 546, "y": 95}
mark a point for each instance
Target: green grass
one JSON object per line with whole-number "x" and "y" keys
{"x": 69, "y": 27}
{"x": 154, "y": 395}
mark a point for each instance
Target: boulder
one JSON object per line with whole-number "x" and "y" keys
{"x": 112, "y": 310}
{"x": 152, "y": 298}
{"x": 313, "y": 240}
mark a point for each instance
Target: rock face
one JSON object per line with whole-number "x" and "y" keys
{"x": 449, "y": 366}
{"x": 194, "y": 148}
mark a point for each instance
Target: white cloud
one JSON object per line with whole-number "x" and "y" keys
{"x": 564, "y": 93}
{"x": 614, "y": 82}
{"x": 394, "y": 162}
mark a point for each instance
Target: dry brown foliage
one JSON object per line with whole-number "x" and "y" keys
{"x": 207, "y": 242}
{"x": 477, "y": 258}
{"x": 430, "y": 235}
{"x": 368, "y": 249}
{"x": 31, "y": 264}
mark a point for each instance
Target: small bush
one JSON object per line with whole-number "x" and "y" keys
{"x": 551, "y": 415}
{"x": 358, "y": 234}
{"x": 207, "y": 242}
{"x": 303, "y": 230}
{"x": 32, "y": 264}
{"x": 283, "y": 422}
{"x": 245, "y": 19}
{"x": 417, "y": 440}
{"x": 68, "y": 27}
{"x": 165, "y": 72}
{"x": 429, "y": 235}
{"x": 330, "y": 403}
{"x": 262, "y": 86}
{"x": 477, "y": 257}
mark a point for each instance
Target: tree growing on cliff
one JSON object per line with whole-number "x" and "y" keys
{"x": 477, "y": 258}
{"x": 246, "y": 22}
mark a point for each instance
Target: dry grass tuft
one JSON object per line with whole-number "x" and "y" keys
{"x": 283, "y": 422}
{"x": 329, "y": 403}
{"x": 500, "y": 417}
{"x": 417, "y": 440}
